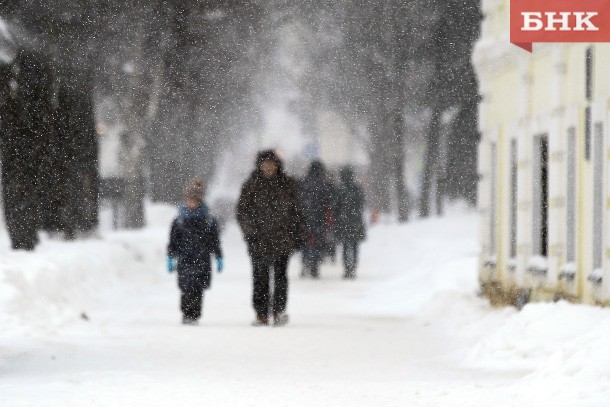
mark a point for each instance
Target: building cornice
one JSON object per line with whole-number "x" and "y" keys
{"x": 497, "y": 53}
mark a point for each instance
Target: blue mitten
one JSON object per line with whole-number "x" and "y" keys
{"x": 219, "y": 264}
{"x": 170, "y": 264}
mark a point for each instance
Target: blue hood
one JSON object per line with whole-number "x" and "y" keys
{"x": 202, "y": 212}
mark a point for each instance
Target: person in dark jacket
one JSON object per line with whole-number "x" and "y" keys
{"x": 350, "y": 226}
{"x": 194, "y": 238}
{"x": 271, "y": 219}
{"x": 331, "y": 240}
{"x": 316, "y": 198}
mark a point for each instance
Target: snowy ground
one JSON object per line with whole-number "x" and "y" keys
{"x": 96, "y": 323}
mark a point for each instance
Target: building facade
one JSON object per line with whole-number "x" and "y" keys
{"x": 544, "y": 161}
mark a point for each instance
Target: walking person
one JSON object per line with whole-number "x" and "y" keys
{"x": 316, "y": 198}
{"x": 194, "y": 238}
{"x": 331, "y": 235}
{"x": 350, "y": 220}
{"x": 271, "y": 219}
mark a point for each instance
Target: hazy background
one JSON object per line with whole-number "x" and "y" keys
{"x": 130, "y": 99}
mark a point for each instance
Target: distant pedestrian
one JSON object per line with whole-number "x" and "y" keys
{"x": 194, "y": 238}
{"x": 350, "y": 220}
{"x": 331, "y": 214}
{"x": 271, "y": 219}
{"x": 317, "y": 201}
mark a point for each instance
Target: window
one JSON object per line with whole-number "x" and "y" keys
{"x": 589, "y": 74}
{"x": 588, "y": 97}
{"x": 598, "y": 196}
{"x": 588, "y": 133}
{"x": 540, "y": 195}
{"x": 571, "y": 197}
{"x": 513, "y": 198}
{"x": 492, "y": 200}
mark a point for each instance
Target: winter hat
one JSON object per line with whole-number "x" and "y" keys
{"x": 268, "y": 155}
{"x": 194, "y": 190}
{"x": 347, "y": 175}
{"x": 316, "y": 169}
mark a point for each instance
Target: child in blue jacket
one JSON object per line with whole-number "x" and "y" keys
{"x": 194, "y": 238}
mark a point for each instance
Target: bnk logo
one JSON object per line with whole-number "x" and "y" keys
{"x": 559, "y": 21}
{"x": 564, "y": 21}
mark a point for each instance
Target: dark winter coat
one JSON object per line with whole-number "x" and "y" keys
{"x": 349, "y": 216}
{"x": 317, "y": 200}
{"x": 270, "y": 215}
{"x": 193, "y": 239}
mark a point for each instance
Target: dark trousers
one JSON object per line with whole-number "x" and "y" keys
{"x": 312, "y": 257}
{"x": 350, "y": 258}
{"x": 191, "y": 302}
{"x": 263, "y": 268}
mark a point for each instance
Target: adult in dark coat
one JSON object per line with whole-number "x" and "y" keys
{"x": 194, "y": 237}
{"x": 350, "y": 226}
{"x": 317, "y": 200}
{"x": 271, "y": 218}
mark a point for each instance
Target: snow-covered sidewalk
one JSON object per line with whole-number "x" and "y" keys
{"x": 97, "y": 323}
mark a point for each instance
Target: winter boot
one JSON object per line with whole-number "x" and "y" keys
{"x": 280, "y": 319}
{"x": 189, "y": 321}
{"x": 261, "y": 320}
{"x": 350, "y": 273}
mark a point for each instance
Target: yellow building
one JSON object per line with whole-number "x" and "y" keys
{"x": 544, "y": 191}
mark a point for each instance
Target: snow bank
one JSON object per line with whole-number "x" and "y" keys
{"x": 53, "y": 285}
{"x": 565, "y": 346}
{"x": 430, "y": 273}
{"x": 539, "y": 331}
{"x": 419, "y": 261}
{"x": 418, "y": 280}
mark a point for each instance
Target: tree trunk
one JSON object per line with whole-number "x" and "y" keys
{"x": 169, "y": 156}
{"x": 398, "y": 156}
{"x": 462, "y": 174}
{"x": 380, "y": 174}
{"x": 135, "y": 110}
{"x": 431, "y": 160}
{"x": 440, "y": 192}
